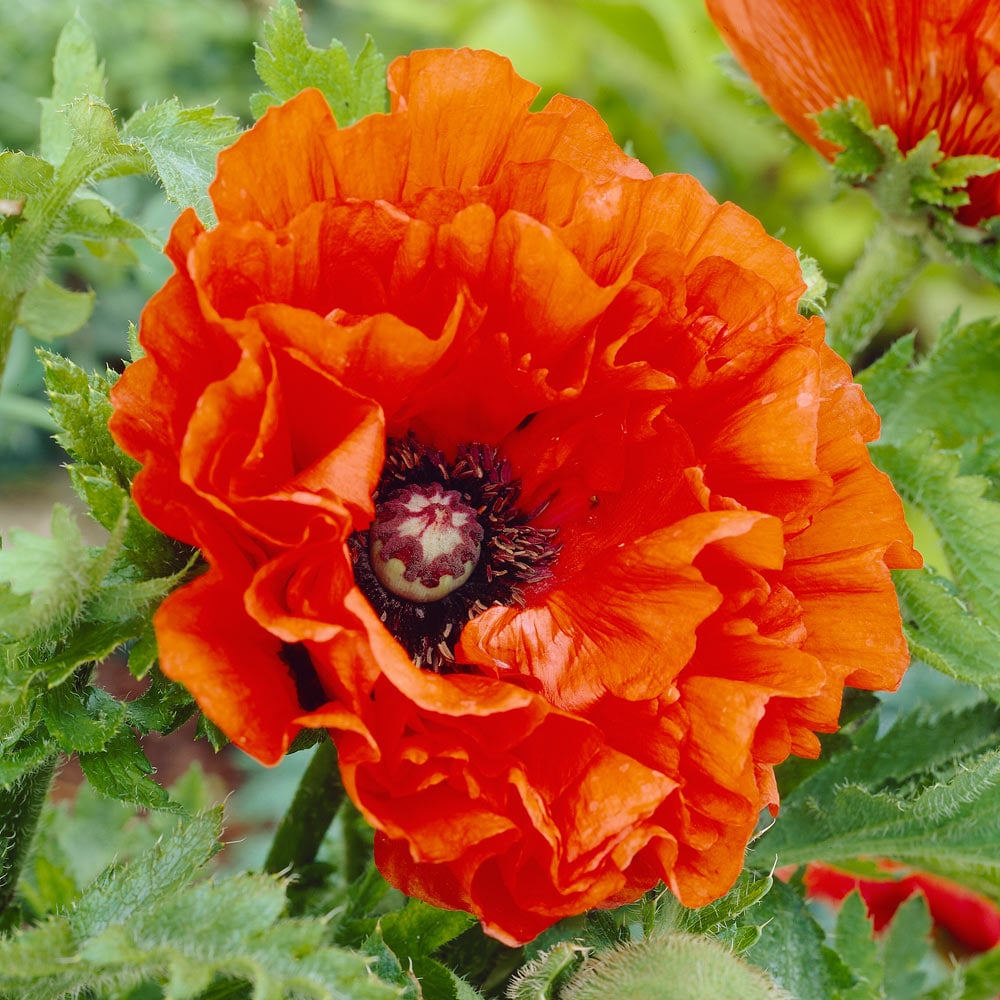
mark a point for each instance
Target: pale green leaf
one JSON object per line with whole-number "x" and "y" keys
{"x": 56, "y": 574}
{"x": 287, "y": 64}
{"x": 94, "y": 219}
{"x": 854, "y": 940}
{"x": 22, "y": 176}
{"x": 26, "y": 410}
{"x": 75, "y": 72}
{"x": 944, "y": 634}
{"x": 980, "y": 979}
{"x": 902, "y": 951}
{"x": 81, "y": 407}
{"x": 49, "y": 311}
{"x": 98, "y": 152}
{"x": 958, "y": 170}
{"x": 966, "y": 520}
{"x": 182, "y": 144}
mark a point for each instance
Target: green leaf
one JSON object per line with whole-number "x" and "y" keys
{"x": 944, "y": 634}
{"x": 164, "y": 706}
{"x": 916, "y": 396}
{"x": 121, "y": 771}
{"x": 902, "y": 954}
{"x": 958, "y": 170}
{"x": 103, "y": 472}
{"x": 55, "y": 574}
{"x": 287, "y": 64}
{"x": 20, "y": 806}
{"x": 23, "y": 176}
{"x": 20, "y": 757}
{"x": 543, "y": 977}
{"x": 850, "y": 125}
{"x": 142, "y": 656}
{"x": 388, "y": 967}
{"x": 854, "y": 939}
{"x": 49, "y": 311}
{"x": 90, "y": 642}
{"x": 81, "y": 407}
{"x": 930, "y": 445}
{"x": 750, "y": 889}
{"x": 81, "y": 720}
{"x": 183, "y": 144}
{"x": 980, "y": 979}
{"x": 123, "y": 890}
{"x": 919, "y": 190}
{"x": 420, "y": 929}
{"x": 981, "y": 248}
{"x": 964, "y": 518}
{"x": 923, "y": 794}
{"x": 75, "y": 71}
{"x": 791, "y": 947}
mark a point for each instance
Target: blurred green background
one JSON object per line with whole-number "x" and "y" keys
{"x": 656, "y": 70}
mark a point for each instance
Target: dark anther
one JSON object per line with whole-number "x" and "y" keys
{"x": 307, "y": 683}
{"x": 514, "y": 555}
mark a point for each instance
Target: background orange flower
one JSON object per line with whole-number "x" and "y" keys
{"x": 918, "y": 66}
{"x": 685, "y": 548}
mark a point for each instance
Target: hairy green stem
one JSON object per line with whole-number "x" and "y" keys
{"x": 20, "y": 807}
{"x": 317, "y": 799}
{"x": 879, "y": 279}
{"x": 32, "y": 244}
{"x": 10, "y": 303}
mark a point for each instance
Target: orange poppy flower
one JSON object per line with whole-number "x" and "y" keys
{"x": 919, "y": 66}
{"x": 517, "y": 469}
{"x": 971, "y": 919}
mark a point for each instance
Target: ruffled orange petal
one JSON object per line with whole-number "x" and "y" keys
{"x": 590, "y": 636}
{"x": 292, "y": 139}
{"x": 228, "y": 662}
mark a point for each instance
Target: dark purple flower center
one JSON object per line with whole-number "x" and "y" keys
{"x": 448, "y": 541}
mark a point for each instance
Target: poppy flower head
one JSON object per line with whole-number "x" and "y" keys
{"x": 517, "y": 469}
{"x": 918, "y": 67}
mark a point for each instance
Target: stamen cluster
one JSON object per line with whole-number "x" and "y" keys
{"x": 514, "y": 554}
